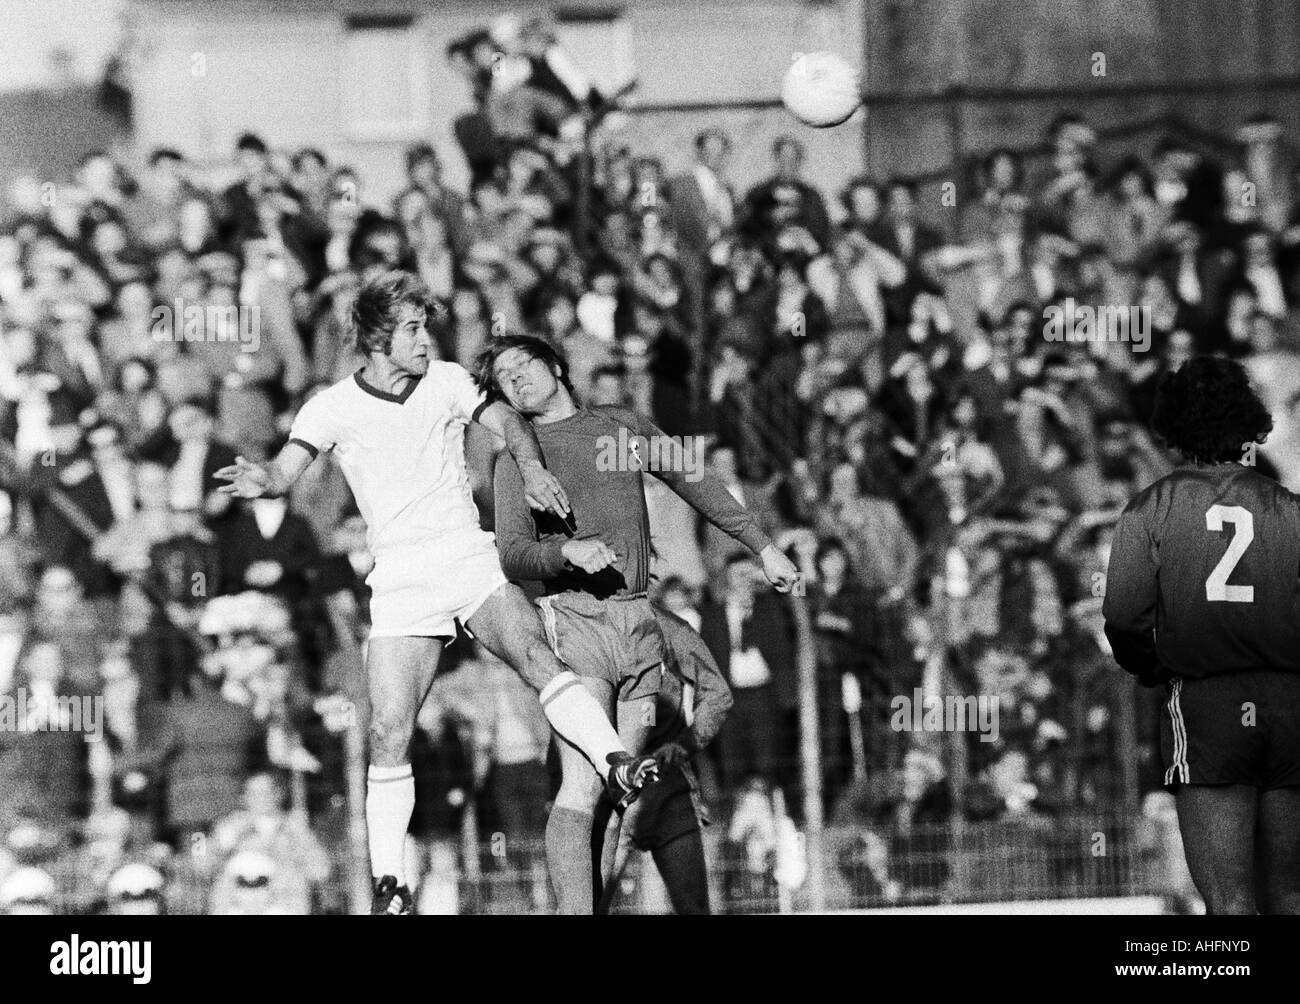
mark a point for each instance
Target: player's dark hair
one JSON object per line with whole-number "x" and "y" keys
{"x": 1208, "y": 412}
{"x": 380, "y": 300}
{"x": 535, "y": 348}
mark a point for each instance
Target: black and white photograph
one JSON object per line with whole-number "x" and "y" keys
{"x": 829, "y": 458}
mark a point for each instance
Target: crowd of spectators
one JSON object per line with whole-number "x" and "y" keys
{"x": 870, "y": 372}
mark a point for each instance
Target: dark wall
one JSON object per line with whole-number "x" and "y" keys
{"x": 919, "y": 46}
{"x": 46, "y": 132}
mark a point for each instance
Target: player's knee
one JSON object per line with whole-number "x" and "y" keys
{"x": 540, "y": 666}
{"x": 579, "y": 791}
{"x": 390, "y": 736}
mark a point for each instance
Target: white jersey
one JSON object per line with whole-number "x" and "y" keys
{"x": 403, "y": 455}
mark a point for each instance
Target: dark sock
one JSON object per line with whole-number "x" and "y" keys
{"x": 681, "y": 866}
{"x": 568, "y": 856}
{"x": 604, "y": 845}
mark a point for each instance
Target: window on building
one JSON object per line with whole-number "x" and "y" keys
{"x": 600, "y": 42}
{"x": 386, "y": 78}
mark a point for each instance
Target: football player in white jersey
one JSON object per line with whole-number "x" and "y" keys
{"x": 397, "y": 428}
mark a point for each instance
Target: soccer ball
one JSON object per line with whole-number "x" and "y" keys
{"x": 821, "y": 89}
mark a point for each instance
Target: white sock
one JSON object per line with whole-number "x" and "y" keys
{"x": 390, "y": 800}
{"x": 576, "y": 716}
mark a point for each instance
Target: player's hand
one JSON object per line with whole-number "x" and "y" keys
{"x": 781, "y": 571}
{"x": 671, "y": 753}
{"x": 590, "y": 555}
{"x": 542, "y": 490}
{"x": 247, "y": 480}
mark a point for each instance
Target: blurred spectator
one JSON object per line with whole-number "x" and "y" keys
{"x": 747, "y": 632}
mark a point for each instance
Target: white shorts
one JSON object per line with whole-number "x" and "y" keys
{"x": 421, "y": 590}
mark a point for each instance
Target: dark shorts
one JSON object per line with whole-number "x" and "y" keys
{"x": 665, "y": 811}
{"x": 1237, "y": 728}
{"x": 617, "y": 640}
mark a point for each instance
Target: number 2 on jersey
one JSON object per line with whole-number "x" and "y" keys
{"x": 1216, "y": 586}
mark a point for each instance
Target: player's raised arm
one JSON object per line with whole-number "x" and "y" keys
{"x": 708, "y": 496}
{"x": 270, "y": 480}
{"x": 1129, "y": 607}
{"x": 540, "y": 487}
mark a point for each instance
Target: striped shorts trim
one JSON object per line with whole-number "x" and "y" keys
{"x": 1178, "y": 769}
{"x": 548, "y": 622}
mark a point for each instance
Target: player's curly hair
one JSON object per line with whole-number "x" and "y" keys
{"x": 380, "y": 300}
{"x": 1208, "y": 412}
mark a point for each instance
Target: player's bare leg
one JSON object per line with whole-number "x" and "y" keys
{"x": 508, "y": 626}
{"x": 399, "y": 672}
{"x": 1218, "y": 827}
{"x": 1277, "y": 851}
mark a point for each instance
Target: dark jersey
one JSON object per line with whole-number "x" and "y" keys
{"x": 1204, "y": 576}
{"x": 592, "y": 456}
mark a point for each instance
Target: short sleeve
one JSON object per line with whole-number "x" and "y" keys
{"x": 313, "y": 427}
{"x": 462, "y": 392}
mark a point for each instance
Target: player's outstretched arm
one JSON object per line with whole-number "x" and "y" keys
{"x": 542, "y": 490}
{"x": 251, "y": 481}
{"x": 708, "y": 496}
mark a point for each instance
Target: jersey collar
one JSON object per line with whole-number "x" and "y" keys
{"x": 383, "y": 395}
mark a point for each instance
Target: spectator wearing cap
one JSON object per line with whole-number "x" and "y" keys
{"x": 135, "y": 889}
{"x": 786, "y": 199}
{"x": 28, "y": 892}
{"x": 262, "y": 825}
{"x": 249, "y": 886}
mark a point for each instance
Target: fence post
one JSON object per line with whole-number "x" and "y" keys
{"x": 810, "y": 752}
{"x": 358, "y": 847}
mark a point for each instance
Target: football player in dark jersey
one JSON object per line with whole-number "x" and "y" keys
{"x": 1203, "y": 598}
